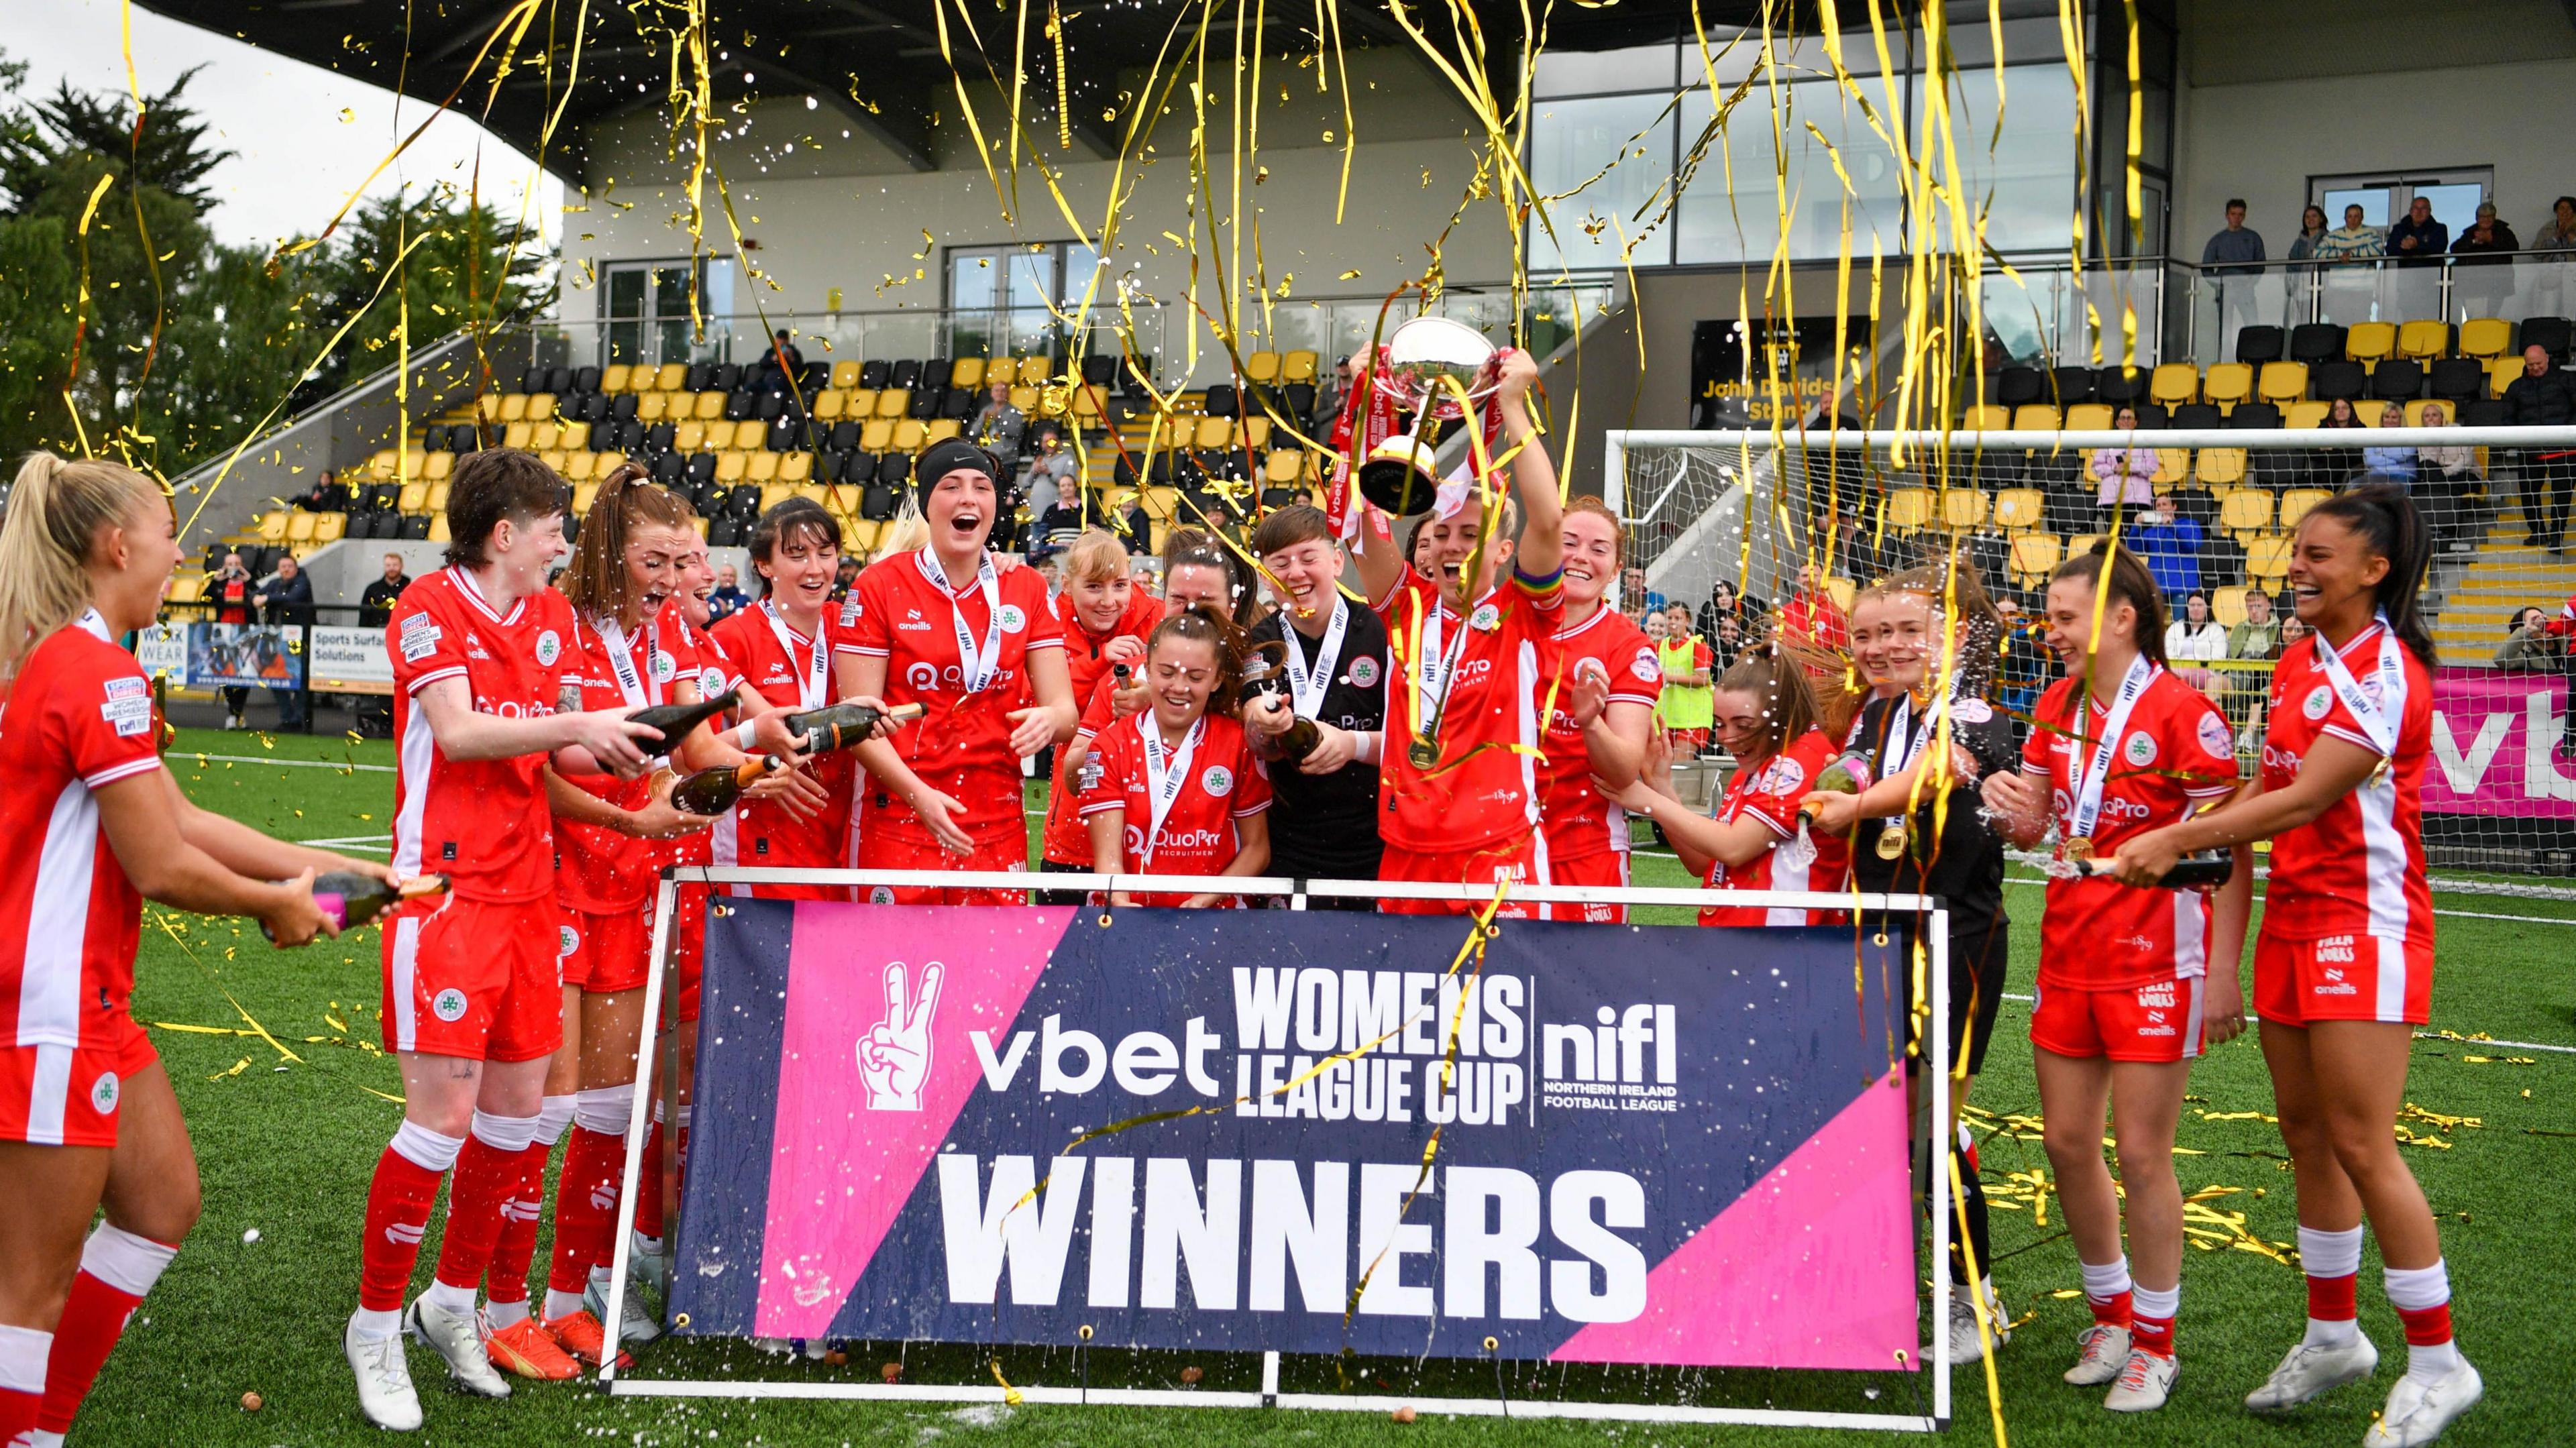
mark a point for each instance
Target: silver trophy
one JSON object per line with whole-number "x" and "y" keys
{"x": 1401, "y": 474}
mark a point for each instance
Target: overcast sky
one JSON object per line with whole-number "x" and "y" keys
{"x": 305, "y": 136}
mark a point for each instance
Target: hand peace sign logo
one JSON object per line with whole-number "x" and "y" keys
{"x": 894, "y": 1056}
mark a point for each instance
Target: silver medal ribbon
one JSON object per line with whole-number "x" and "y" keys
{"x": 1921, "y": 734}
{"x": 2376, "y": 722}
{"x": 1306, "y": 692}
{"x": 1435, "y": 667}
{"x": 621, "y": 661}
{"x": 1165, "y": 773}
{"x": 976, "y": 666}
{"x": 2097, "y": 770}
{"x": 810, "y": 692}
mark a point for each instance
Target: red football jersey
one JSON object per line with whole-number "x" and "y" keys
{"x": 961, "y": 747}
{"x": 483, "y": 823}
{"x": 716, "y": 673}
{"x": 1066, "y": 842}
{"x": 77, "y": 718}
{"x": 2357, "y": 869}
{"x": 1799, "y": 859}
{"x": 598, "y": 869}
{"x": 1580, "y": 821}
{"x": 2175, "y": 756}
{"x": 1487, "y": 785}
{"x": 758, "y": 831}
{"x": 1221, "y": 783}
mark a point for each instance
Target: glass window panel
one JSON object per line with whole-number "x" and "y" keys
{"x": 1571, "y": 141}
{"x": 1574, "y": 73}
{"x": 973, "y": 280}
{"x": 1731, "y": 210}
{"x": 626, "y": 293}
{"x": 2455, "y": 204}
{"x": 2024, "y": 178}
{"x": 671, "y": 291}
{"x": 1032, "y": 277}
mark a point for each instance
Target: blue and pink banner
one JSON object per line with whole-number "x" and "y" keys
{"x": 1653, "y": 1144}
{"x": 2495, "y": 740}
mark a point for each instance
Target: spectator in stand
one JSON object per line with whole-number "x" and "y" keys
{"x": 1686, "y": 708}
{"x": 1328, "y": 401}
{"x": 2197, "y": 638}
{"x": 2447, "y": 487}
{"x": 998, "y": 425}
{"x": 2339, "y": 462}
{"x": 2417, "y": 239}
{"x": 845, "y": 576}
{"x": 1727, "y": 640}
{"x": 2233, "y": 257}
{"x": 1632, "y": 584}
{"x": 2312, "y": 233}
{"x": 286, "y": 601}
{"x": 1051, "y": 477}
{"x": 2488, "y": 234}
{"x": 727, "y": 596}
{"x": 327, "y": 495}
{"x": 2259, "y": 635}
{"x": 783, "y": 357}
{"x": 1811, "y": 617}
{"x": 2530, "y": 646}
{"x": 376, "y": 605}
{"x": 2540, "y": 398}
{"x": 2351, "y": 242}
{"x": 2127, "y": 474}
{"x": 235, "y": 598}
{"x": 2170, "y": 544}
{"x": 2558, "y": 233}
{"x": 2026, "y": 666}
{"x": 1723, "y": 602}
{"x": 2394, "y": 465}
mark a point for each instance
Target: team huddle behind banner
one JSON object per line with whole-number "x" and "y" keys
{"x": 1681, "y": 1146}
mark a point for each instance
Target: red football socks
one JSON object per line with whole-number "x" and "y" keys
{"x": 117, "y": 1269}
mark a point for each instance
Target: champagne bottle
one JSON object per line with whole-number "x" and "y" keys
{"x": 713, "y": 791}
{"x": 843, "y": 725}
{"x": 1262, "y": 676}
{"x": 349, "y": 900}
{"x": 676, "y": 720}
{"x": 1839, "y": 777}
{"x": 2199, "y": 870}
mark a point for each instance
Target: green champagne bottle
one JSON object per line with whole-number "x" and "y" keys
{"x": 711, "y": 792}
{"x": 676, "y": 720}
{"x": 349, "y": 900}
{"x": 1836, "y": 778}
{"x": 842, "y": 725}
{"x": 2199, "y": 870}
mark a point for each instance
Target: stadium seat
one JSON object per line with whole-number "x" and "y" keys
{"x": 710, "y": 405}
{"x": 937, "y": 375}
{"x": 1987, "y": 418}
{"x": 966, "y": 372}
{"x": 583, "y": 496}
{"x": 2283, "y": 382}
{"x": 1281, "y": 466}
{"x": 2257, "y": 345}
{"x": 2316, "y": 342}
{"x": 1963, "y": 508}
{"x": 2330, "y": 380}
{"x": 2424, "y": 341}
{"x": 1211, "y": 434}
{"x": 2219, "y": 467}
{"x": 652, "y": 406}
{"x": 2297, "y": 501}
{"x": 940, "y": 429}
{"x": 2089, "y": 417}
{"x": 1298, "y": 366}
{"x": 2174, "y": 384}
{"x": 2267, "y": 561}
{"x": 437, "y": 465}
{"x": 2227, "y": 384}
{"x": 829, "y": 404}
{"x": 2173, "y": 467}
{"x": 2033, "y": 557}
{"x": 2020, "y": 386}
{"x": 669, "y": 377}
{"x": 845, "y": 374}
{"x": 613, "y": 377}
{"x": 1005, "y": 370}
{"x": 2070, "y": 385}
{"x": 1025, "y": 397}
{"x": 2501, "y": 372}
{"x": 2415, "y": 411}
{"x": 2256, "y": 414}
{"x": 578, "y": 466}
{"x": 2457, "y": 378}
{"x": 730, "y": 467}
{"x": 414, "y": 498}
{"x": 2035, "y": 417}
{"x": 2115, "y": 384}
{"x": 2245, "y": 512}
{"x": 1906, "y": 510}
{"x": 2552, "y": 333}
{"x": 2483, "y": 338}
{"x": 2367, "y": 342}
{"x": 908, "y": 434}
{"x": 437, "y": 531}
{"x": 2397, "y": 379}
{"x": 894, "y": 402}
{"x": 2306, "y": 414}
{"x": 796, "y": 467}
{"x": 1262, "y": 367}
{"x": 2017, "y": 510}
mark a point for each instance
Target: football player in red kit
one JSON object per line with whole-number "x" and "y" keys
{"x": 484, "y": 660}
{"x": 1106, "y": 619}
{"x": 2132, "y": 983}
{"x": 2343, "y": 965}
{"x": 946, "y": 628}
{"x": 87, "y": 1118}
{"x": 1177, "y": 790}
{"x": 1462, "y": 775}
{"x": 1602, "y": 681}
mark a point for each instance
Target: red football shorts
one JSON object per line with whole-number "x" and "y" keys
{"x": 606, "y": 954}
{"x": 1607, "y": 869}
{"x": 690, "y": 956}
{"x": 67, "y": 1095}
{"x": 885, "y": 850}
{"x": 1522, "y": 861}
{"x": 1687, "y": 743}
{"x": 478, "y": 980}
{"x": 2342, "y": 978}
{"x": 2157, "y": 1024}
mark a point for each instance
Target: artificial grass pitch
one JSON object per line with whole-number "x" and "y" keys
{"x": 285, "y": 1146}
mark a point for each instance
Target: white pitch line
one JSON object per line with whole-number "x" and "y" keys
{"x": 282, "y": 763}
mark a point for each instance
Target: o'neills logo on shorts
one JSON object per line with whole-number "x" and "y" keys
{"x": 2334, "y": 948}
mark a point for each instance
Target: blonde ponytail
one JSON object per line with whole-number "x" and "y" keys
{"x": 56, "y": 510}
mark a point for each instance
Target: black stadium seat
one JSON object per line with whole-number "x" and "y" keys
{"x": 702, "y": 467}
{"x": 727, "y": 377}
{"x": 2330, "y": 380}
{"x": 701, "y": 377}
{"x": 769, "y": 407}
{"x": 2151, "y": 416}
{"x": 2399, "y": 379}
{"x": 786, "y": 434}
{"x": 2457, "y": 379}
{"x": 2019, "y": 386}
{"x": 660, "y": 437}
{"x": 2258, "y": 345}
{"x": 740, "y": 405}
{"x": 724, "y": 533}
{"x": 558, "y": 380}
{"x": 1099, "y": 370}
{"x": 872, "y": 375}
{"x": 935, "y": 374}
{"x": 2197, "y": 416}
{"x": 956, "y": 403}
{"x": 2315, "y": 342}
{"x": 904, "y": 373}
{"x": 2254, "y": 414}
{"x": 2071, "y": 384}
{"x": 2482, "y": 412}
{"x": 1222, "y": 402}
{"x": 2550, "y": 332}
{"x": 2116, "y": 384}
{"x": 668, "y": 470}
{"x": 622, "y": 406}
{"x": 925, "y": 403}
{"x": 881, "y": 501}
{"x": 585, "y": 379}
{"x": 894, "y": 469}
{"x": 844, "y": 437}
{"x": 857, "y": 469}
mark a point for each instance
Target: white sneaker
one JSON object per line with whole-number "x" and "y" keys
{"x": 1964, "y": 1344}
{"x": 2417, "y": 1413}
{"x": 2100, "y": 1352}
{"x": 2307, "y": 1371}
{"x": 458, "y": 1337}
{"x": 639, "y": 1325}
{"x": 2145, "y": 1381}
{"x": 643, "y": 1264}
{"x": 385, "y": 1393}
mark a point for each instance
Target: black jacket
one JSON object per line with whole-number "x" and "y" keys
{"x": 2542, "y": 401}
{"x": 287, "y": 600}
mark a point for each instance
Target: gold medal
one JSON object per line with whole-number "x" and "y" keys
{"x": 2076, "y": 849}
{"x": 1423, "y": 752}
{"x": 1891, "y": 840}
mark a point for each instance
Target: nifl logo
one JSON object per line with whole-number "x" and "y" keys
{"x": 449, "y": 1006}
{"x": 1218, "y": 781}
{"x": 549, "y": 647}
{"x": 103, "y": 1093}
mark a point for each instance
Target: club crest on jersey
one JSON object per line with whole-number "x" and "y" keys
{"x": 549, "y": 647}
{"x": 1217, "y": 780}
{"x": 710, "y": 681}
{"x": 1645, "y": 667}
{"x": 567, "y": 940}
{"x": 2213, "y": 737}
{"x": 2319, "y": 700}
{"x": 103, "y": 1093}
{"x": 1485, "y": 619}
{"x": 1781, "y": 776}
{"x": 2140, "y": 750}
{"x": 1013, "y": 619}
{"x": 1363, "y": 673}
{"x": 448, "y": 1005}
{"x": 881, "y": 895}
{"x": 665, "y": 667}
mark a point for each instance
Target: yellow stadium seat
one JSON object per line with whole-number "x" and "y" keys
{"x": 612, "y": 378}
{"x": 2423, "y": 340}
{"x": 796, "y": 467}
{"x": 381, "y": 465}
{"x": 2415, "y": 411}
{"x": 272, "y": 526}
{"x": 519, "y": 434}
{"x": 1908, "y": 509}
{"x": 845, "y": 374}
{"x": 1280, "y": 466}
{"x": 814, "y": 493}
{"x": 605, "y": 462}
{"x": 438, "y": 530}
{"x": 2227, "y": 607}
{"x": 862, "y": 535}
{"x": 579, "y": 465}
{"x": 939, "y": 429}
{"x": 702, "y": 525}
{"x": 2035, "y": 417}
{"x": 438, "y": 493}
{"x": 909, "y": 434}
{"x": 2245, "y": 512}
{"x": 861, "y": 405}
{"x": 2297, "y": 501}
{"x": 2267, "y": 561}
{"x": 2219, "y": 467}
{"x": 730, "y": 467}
{"x": 877, "y": 435}
{"x": 648, "y": 407}
{"x": 545, "y": 435}
{"x": 1211, "y": 433}
{"x": 2173, "y": 467}
{"x": 2173, "y": 384}
{"x": 2501, "y": 372}
{"x": 708, "y": 407}
{"x": 2089, "y": 417}
{"x": 2033, "y": 556}
{"x": 763, "y": 467}
{"x": 1160, "y": 504}
{"x": 2227, "y": 384}
{"x": 894, "y": 401}
{"x": 967, "y": 372}
{"x": 553, "y": 458}
{"x": 1986, "y": 418}
{"x": 414, "y": 498}
{"x": 541, "y": 405}
{"x": 1025, "y": 398}
{"x": 1262, "y": 367}
{"x": 2305, "y": 414}
{"x": 672, "y": 377}
{"x": 1255, "y": 432}
{"x": 2367, "y": 342}
{"x": 721, "y": 434}
{"x": 2083, "y": 543}
{"x": 774, "y": 493}
{"x": 1298, "y": 366}
{"x": 514, "y": 407}
{"x": 2485, "y": 337}
{"x": 1035, "y": 370}
{"x": 488, "y": 407}
{"x": 1963, "y": 508}
{"x": 843, "y": 500}
{"x": 1842, "y": 591}
{"x": 829, "y": 402}
{"x": 2284, "y": 381}
{"x": 299, "y": 527}
{"x": 583, "y": 495}
{"x": 2019, "y": 510}
{"x": 690, "y": 436}
{"x": 437, "y": 465}
{"x": 1086, "y": 404}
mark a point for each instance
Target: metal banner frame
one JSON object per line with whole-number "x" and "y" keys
{"x": 1296, "y": 892}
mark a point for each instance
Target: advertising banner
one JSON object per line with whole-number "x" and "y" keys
{"x": 1596, "y": 1144}
{"x": 351, "y": 660}
{"x": 257, "y": 655}
{"x": 2494, "y": 737}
